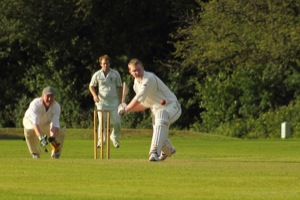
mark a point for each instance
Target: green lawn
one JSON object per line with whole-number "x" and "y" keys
{"x": 204, "y": 167}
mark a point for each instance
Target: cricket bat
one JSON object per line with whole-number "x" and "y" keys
{"x": 125, "y": 92}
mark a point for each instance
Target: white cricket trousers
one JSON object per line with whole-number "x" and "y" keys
{"x": 33, "y": 142}
{"x": 115, "y": 123}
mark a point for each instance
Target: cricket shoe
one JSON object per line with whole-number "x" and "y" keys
{"x": 163, "y": 156}
{"x": 34, "y": 155}
{"x": 55, "y": 155}
{"x": 153, "y": 157}
{"x": 115, "y": 141}
{"x": 99, "y": 145}
{"x": 116, "y": 144}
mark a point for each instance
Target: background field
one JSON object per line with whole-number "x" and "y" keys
{"x": 204, "y": 167}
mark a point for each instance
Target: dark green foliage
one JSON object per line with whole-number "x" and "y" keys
{"x": 234, "y": 65}
{"x": 58, "y": 43}
{"x": 247, "y": 55}
{"x": 266, "y": 125}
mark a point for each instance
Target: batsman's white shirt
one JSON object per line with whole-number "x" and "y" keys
{"x": 107, "y": 88}
{"x": 151, "y": 90}
{"x": 37, "y": 114}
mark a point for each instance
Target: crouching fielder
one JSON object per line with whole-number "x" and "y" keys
{"x": 152, "y": 93}
{"x": 43, "y": 116}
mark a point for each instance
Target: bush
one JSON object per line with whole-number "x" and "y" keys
{"x": 267, "y": 125}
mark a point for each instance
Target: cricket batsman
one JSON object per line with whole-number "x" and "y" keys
{"x": 43, "y": 116}
{"x": 153, "y": 94}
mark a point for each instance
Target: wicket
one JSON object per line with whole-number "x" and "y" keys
{"x": 102, "y": 112}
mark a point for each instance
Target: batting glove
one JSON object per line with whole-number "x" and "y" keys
{"x": 122, "y": 108}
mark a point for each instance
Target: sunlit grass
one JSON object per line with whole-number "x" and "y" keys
{"x": 204, "y": 167}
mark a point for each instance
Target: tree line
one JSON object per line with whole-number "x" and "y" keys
{"x": 234, "y": 65}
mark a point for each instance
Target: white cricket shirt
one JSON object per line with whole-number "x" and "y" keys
{"x": 151, "y": 90}
{"x": 107, "y": 88}
{"x": 37, "y": 114}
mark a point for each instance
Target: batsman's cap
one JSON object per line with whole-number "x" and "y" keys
{"x": 48, "y": 91}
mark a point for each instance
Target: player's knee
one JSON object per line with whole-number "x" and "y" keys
{"x": 162, "y": 118}
{"x": 62, "y": 132}
{"x": 29, "y": 133}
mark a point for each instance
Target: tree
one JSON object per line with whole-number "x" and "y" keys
{"x": 246, "y": 53}
{"x": 58, "y": 43}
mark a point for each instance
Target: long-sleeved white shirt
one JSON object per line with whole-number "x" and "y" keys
{"x": 151, "y": 90}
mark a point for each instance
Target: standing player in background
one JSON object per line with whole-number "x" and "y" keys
{"x": 109, "y": 96}
{"x": 42, "y": 116}
{"x": 152, "y": 93}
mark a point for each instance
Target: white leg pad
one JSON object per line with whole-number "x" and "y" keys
{"x": 167, "y": 148}
{"x": 160, "y": 131}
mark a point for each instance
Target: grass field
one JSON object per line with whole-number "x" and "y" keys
{"x": 204, "y": 167}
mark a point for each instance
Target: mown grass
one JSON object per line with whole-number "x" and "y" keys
{"x": 204, "y": 167}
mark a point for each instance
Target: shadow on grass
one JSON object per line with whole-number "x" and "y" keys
{"x": 11, "y": 137}
{"x": 11, "y": 134}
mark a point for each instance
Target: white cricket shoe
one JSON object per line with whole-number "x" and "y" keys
{"x": 34, "y": 155}
{"x": 163, "y": 156}
{"x": 153, "y": 157}
{"x": 115, "y": 141}
{"x": 99, "y": 144}
{"x": 116, "y": 144}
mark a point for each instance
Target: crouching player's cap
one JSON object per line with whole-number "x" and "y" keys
{"x": 48, "y": 91}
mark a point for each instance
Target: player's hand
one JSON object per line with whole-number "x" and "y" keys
{"x": 43, "y": 141}
{"x": 122, "y": 108}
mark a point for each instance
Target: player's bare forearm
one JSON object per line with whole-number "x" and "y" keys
{"x": 139, "y": 108}
{"x": 135, "y": 106}
{"x": 53, "y": 131}
{"x": 93, "y": 92}
{"x": 37, "y": 129}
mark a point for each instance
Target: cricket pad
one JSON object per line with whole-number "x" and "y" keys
{"x": 54, "y": 144}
